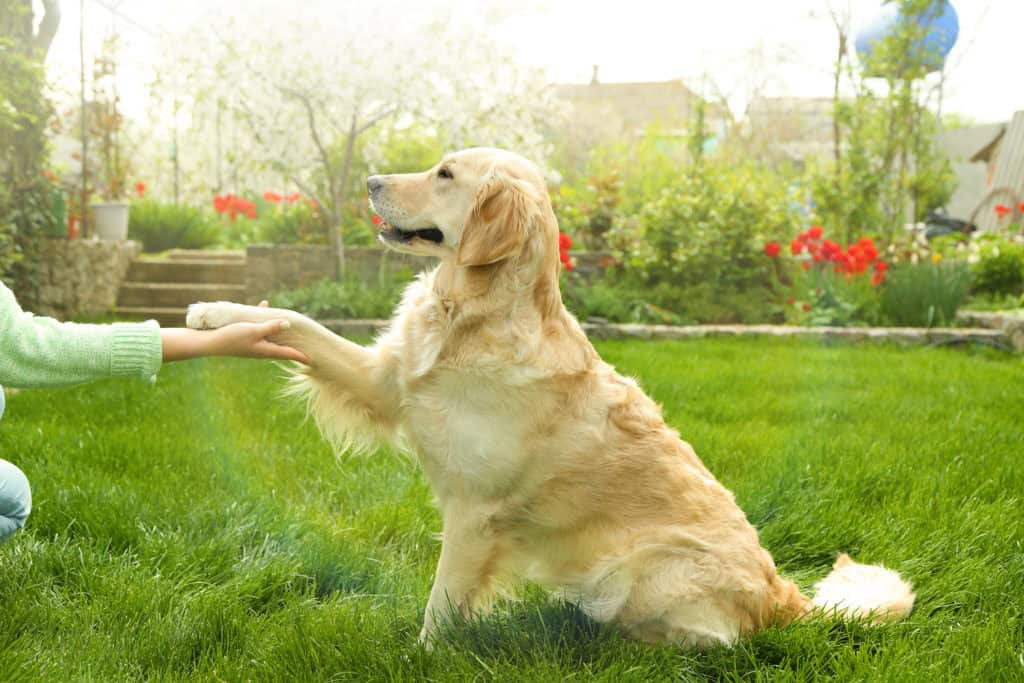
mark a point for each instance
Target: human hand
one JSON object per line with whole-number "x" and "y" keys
{"x": 245, "y": 340}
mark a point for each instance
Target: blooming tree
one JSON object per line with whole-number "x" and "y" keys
{"x": 316, "y": 90}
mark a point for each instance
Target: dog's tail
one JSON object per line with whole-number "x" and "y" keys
{"x": 851, "y": 591}
{"x": 863, "y": 591}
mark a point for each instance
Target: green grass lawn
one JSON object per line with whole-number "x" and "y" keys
{"x": 200, "y": 529}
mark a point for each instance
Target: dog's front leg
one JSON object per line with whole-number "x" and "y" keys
{"x": 359, "y": 384}
{"x": 464, "y": 583}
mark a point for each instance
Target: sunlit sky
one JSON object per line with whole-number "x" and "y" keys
{"x": 781, "y": 47}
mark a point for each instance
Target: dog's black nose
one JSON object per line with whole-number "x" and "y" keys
{"x": 374, "y": 183}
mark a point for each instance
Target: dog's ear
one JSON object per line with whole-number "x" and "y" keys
{"x": 497, "y": 225}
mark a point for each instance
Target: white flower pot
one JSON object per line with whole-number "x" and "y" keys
{"x": 110, "y": 220}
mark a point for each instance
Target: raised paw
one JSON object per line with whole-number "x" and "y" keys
{"x": 208, "y": 316}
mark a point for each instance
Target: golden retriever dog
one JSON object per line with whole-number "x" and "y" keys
{"x": 547, "y": 464}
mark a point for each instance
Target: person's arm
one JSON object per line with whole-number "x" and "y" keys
{"x": 248, "y": 340}
{"x": 41, "y": 352}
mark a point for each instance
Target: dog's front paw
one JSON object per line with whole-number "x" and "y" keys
{"x": 208, "y": 316}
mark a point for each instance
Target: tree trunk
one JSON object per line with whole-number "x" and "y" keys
{"x": 339, "y": 198}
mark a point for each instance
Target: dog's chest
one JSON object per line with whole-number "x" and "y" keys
{"x": 469, "y": 431}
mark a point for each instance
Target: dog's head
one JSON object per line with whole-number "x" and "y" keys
{"x": 477, "y": 207}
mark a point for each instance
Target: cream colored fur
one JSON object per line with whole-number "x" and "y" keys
{"x": 547, "y": 464}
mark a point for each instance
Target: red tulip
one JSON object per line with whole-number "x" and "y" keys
{"x": 881, "y": 266}
{"x": 376, "y": 220}
{"x": 293, "y": 197}
{"x": 564, "y": 241}
{"x": 272, "y": 197}
{"x": 806, "y": 307}
{"x": 140, "y": 188}
{"x": 815, "y": 232}
{"x": 251, "y": 212}
{"x": 878, "y": 278}
{"x": 772, "y": 249}
{"x": 806, "y": 265}
{"x": 791, "y": 300}
{"x": 1002, "y": 210}
{"x": 796, "y": 247}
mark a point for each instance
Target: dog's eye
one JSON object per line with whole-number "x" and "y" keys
{"x": 445, "y": 173}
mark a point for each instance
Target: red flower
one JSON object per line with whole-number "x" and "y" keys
{"x": 376, "y": 220}
{"x": 140, "y": 188}
{"x": 806, "y": 307}
{"x": 878, "y": 278}
{"x": 251, "y": 212}
{"x": 803, "y": 237}
{"x": 815, "y": 232}
{"x": 1003, "y": 209}
{"x": 806, "y": 265}
{"x": 272, "y": 197}
{"x": 791, "y": 301}
{"x": 796, "y": 247}
{"x": 772, "y": 249}
{"x": 220, "y": 204}
{"x": 564, "y": 241}
{"x": 1021, "y": 207}
{"x": 293, "y": 197}
{"x": 881, "y": 266}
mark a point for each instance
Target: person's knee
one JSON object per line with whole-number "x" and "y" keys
{"x": 15, "y": 495}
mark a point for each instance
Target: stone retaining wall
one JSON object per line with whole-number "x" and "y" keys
{"x": 79, "y": 277}
{"x": 903, "y": 336}
{"x": 273, "y": 267}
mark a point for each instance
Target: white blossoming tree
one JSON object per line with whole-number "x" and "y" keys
{"x": 306, "y": 94}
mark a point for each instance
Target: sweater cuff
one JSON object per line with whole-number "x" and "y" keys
{"x": 136, "y": 350}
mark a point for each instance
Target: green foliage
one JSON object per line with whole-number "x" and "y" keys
{"x": 1000, "y": 270}
{"x": 890, "y": 168}
{"x": 708, "y": 226}
{"x": 925, "y": 294}
{"x": 296, "y": 223}
{"x": 619, "y": 297}
{"x": 589, "y": 211}
{"x": 26, "y": 208}
{"x": 161, "y": 226}
{"x": 352, "y": 297}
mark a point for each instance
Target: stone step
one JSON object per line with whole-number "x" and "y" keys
{"x": 161, "y": 295}
{"x": 203, "y": 255}
{"x": 169, "y": 316}
{"x": 205, "y": 271}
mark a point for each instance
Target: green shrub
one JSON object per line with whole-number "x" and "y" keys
{"x": 162, "y": 226}
{"x": 621, "y": 298}
{"x": 589, "y": 211}
{"x": 709, "y": 227}
{"x": 297, "y": 223}
{"x": 1000, "y": 272}
{"x": 350, "y": 298}
{"x": 924, "y": 294}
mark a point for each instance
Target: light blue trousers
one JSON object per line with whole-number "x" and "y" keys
{"x": 15, "y": 494}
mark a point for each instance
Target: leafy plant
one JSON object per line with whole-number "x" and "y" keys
{"x": 25, "y": 196}
{"x": 708, "y": 227}
{"x": 925, "y": 294}
{"x": 297, "y": 222}
{"x": 162, "y": 226}
{"x": 349, "y": 298}
{"x": 1000, "y": 270}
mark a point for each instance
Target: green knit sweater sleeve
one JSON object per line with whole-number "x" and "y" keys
{"x": 41, "y": 352}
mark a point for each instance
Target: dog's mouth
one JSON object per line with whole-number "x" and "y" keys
{"x": 390, "y": 233}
